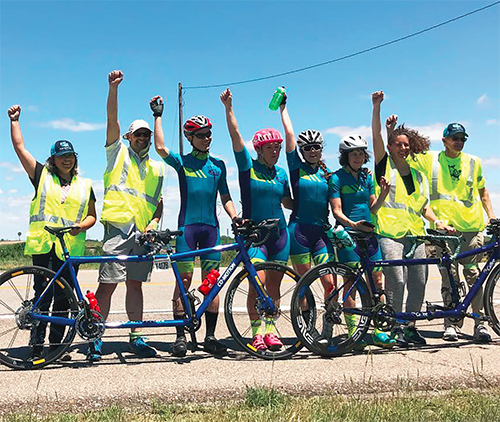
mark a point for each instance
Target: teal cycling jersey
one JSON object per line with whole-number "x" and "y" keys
{"x": 200, "y": 178}
{"x": 311, "y": 191}
{"x": 261, "y": 188}
{"x": 355, "y": 194}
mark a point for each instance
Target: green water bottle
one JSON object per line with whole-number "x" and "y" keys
{"x": 277, "y": 98}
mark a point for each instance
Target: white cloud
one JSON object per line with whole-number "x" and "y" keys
{"x": 1, "y": 191}
{"x": 482, "y": 100}
{"x": 15, "y": 168}
{"x": 11, "y": 191}
{"x": 493, "y": 161}
{"x": 434, "y": 131}
{"x": 492, "y": 122}
{"x": 32, "y": 108}
{"x": 341, "y": 131}
{"x": 74, "y": 126}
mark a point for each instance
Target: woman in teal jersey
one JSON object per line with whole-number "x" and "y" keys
{"x": 201, "y": 178}
{"x": 264, "y": 189}
{"x": 311, "y": 192}
{"x": 352, "y": 205}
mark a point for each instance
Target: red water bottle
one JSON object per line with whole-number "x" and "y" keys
{"x": 94, "y": 306}
{"x": 209, "y": 282}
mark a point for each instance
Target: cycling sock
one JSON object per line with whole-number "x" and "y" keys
{"x": 211, "y": 320}
{"x": 179, "y": 330}
{"x": 135, "y": 334}
{"x": 350, "y": 321}
{"x": 270, "y": 325}
{"x": 256, "y": 327}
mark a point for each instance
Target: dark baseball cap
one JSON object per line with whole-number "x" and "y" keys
{"x": 61, "y": 148}
{"x": 453, "y": 129}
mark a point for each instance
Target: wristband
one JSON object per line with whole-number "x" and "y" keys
{"x": 437, "y": 221}
{"x": 154, "y": 225}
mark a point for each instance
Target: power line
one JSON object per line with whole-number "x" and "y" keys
{"x": 345, "y": 57}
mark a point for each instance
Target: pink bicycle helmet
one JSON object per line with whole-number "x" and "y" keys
{"x": 265, "y": 136}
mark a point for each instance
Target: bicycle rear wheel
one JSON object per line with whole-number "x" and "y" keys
{"x": 240, "y": 310}
{"x": 491, "y": 299}
{"x": 23, "y": 343}
{"x": 322, "y": 324}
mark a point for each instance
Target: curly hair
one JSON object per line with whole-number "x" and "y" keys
{"x": 344, "y": 157}
{"x": 418, "y": 143}
{"x": 52, "y": 168}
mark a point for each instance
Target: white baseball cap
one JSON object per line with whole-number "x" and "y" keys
{"x": 135, "y": 126}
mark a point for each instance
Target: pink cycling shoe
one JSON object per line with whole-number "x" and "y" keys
{"x": 272, "y": 342}
{"x": 258, "y": 343}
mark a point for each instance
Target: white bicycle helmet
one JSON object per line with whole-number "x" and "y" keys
{"x": 309, "y": 136}
{"x": 352, "y": 142}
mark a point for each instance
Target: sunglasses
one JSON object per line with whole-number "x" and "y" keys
{"x": 142, "y": 134}
{"x": 459, "y": 138}
{"x": 203, "y": 135}
{"x": 310, "y": 147}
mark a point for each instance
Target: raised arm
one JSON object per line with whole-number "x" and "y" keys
{"x": 291, "y": 143}
{"x": 156, "y": 105}
{"x": 378, "y": 142}
{"x": 25, "y": 157}
{"x": 232, "y": 125}
{"x": 113, "y": 126}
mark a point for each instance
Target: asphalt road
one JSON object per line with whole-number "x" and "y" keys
{"x": 122, "y": 378}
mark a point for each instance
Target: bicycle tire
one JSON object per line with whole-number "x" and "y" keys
{"x": 308, "y": 322}
{"x": 19, "y": 334}
{"x": 491, "y": 299}
{"x": 238, "y": 317}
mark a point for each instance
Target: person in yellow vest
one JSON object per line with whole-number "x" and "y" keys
{"x": 132, "y": 205}
{"x": 62, "y": 199}
{"x": 458, "y": 197}
{"x": 399, "y": 216}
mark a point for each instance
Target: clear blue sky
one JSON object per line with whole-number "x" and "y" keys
{"x": 55, "y": 57}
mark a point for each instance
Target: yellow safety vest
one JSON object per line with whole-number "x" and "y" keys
{"x": 401, "y": 214}
{"x": 46, "y": 210}
{"x": 128, "y": 196}
{"x": 457, "y": 204}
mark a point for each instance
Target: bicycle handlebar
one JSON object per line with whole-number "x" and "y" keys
{"x": 438, "y": 238}
{"x": 255, "y": 234}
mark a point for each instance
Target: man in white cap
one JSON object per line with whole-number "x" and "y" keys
{"x": 132, "y": 205}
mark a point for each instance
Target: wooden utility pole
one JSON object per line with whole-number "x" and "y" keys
{"x": 181, "y": 149}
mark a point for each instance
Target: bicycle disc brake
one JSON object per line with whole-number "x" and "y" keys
{"x": 333, "y": 312}
{"x": 89, "y": 328}
{"x": 383, "y": 317}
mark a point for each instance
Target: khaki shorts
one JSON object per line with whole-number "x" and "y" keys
{"x": 118, "y": 243}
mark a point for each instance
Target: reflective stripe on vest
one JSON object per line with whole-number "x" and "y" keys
{"x": 46, "y": 209}
{"x": 395, "y": 219}
{"x": 436, "y": 195}
{"x": 125, "y": 202}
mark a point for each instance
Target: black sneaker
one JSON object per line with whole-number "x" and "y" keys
{"x": 214, "y": 346}
{"x": 398, "y": 335}
{"x": 412, "y": 336}
{"x": 36, "y": 353}
{"x": 179, "y": 349}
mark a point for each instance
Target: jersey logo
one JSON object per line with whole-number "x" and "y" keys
{"x": 194, "y": 173}
{"x": 214, "y": 171}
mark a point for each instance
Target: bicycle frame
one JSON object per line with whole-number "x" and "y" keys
{"x": 446, "y": 261}
{"x": 241, "y": 257}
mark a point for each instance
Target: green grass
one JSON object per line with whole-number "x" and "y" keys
{"x": 263, "y": 405}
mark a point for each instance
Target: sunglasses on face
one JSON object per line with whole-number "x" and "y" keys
{"x": 142, "y": 134}
{"x": 459, "y": 138}
{"x": 310, "y": 147}
{"x": 203, "y": 135}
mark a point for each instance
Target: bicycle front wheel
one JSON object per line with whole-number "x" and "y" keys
{"x": 26, "y": 342}
{"x": 321, "y": 318}
{"x": 491, "y": 299}
{"x": 242, "y": 310}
